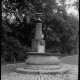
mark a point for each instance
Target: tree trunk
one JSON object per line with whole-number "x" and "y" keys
{"x": 13, "y": 59}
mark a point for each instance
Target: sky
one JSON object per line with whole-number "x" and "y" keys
{"x": 71, "y": 9}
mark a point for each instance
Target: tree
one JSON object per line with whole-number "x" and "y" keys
{"x": 58, "y": 27}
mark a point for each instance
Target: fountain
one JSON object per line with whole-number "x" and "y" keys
{"x": 38, "y": 60}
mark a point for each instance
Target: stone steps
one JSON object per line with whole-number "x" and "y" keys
{"x": 25, "y": 71}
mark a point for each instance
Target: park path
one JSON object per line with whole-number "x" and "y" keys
{"x": 73, "y": 59}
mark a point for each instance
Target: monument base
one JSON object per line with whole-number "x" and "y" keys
{"x": 43, "y": 71}
{"x": 42, "y": 60}
{"x": 42, "y": 64}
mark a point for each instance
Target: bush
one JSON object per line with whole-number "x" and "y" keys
{"x": 13, "y": 50}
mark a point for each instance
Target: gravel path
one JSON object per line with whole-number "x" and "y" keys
{"x": 71, "y": 75}
{"x": 73, "y": 59}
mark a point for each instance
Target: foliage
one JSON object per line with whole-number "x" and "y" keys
{"x": 18, "y": 16}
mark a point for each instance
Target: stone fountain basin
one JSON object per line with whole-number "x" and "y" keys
{"x": 42, "y": 63}
{"x": 42, "y": 60}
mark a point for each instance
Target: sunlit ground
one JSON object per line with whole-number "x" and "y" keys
{"x": 73, "y": 59}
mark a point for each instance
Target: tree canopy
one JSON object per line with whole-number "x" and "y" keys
{"x": 60, "y": 27}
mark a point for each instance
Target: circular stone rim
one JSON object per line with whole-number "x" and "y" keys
{"x": 25, "y": 71}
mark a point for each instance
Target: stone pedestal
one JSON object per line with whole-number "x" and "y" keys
{"x": 38, "y": 34}
{"x": 38, "y": 45}
{"x": 42, "y": 60}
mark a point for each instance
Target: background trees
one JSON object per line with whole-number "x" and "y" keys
{"x": 60, "y": 28}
